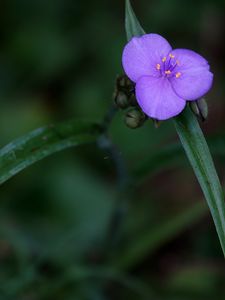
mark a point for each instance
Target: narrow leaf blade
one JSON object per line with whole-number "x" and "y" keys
{"x": 199, "y": 156}
{"x": 43, "y": 142}
{"x": 154, "y": 238}
{"x": 132, "y": 25}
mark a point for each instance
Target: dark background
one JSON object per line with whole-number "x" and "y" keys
{"x": 68, "y": 230}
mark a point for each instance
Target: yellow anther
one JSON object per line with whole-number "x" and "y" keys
{"x": 158, "y": 66}
{"x": 164, "y": 59}
{"x": 177, "y": 62}
{"x": 178, "y": 74}
{"x": 171, "y": 56}
{"x": 168, "y": 72}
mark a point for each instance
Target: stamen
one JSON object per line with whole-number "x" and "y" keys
{"x": 174, "y": 66}
{"x": 171, "y": 56}
{"x": 177, "y": 62}
{"x": 178, "y": 74}
{"x": 164, "y": 59}
{"x": 158, "y": 66}
{"x": 168, "y": 72}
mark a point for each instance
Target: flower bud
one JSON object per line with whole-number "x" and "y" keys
{"x": 194, "y": 108}
{"x": 134, "y": 118}
{"x": 122, "y": 100}
{"x": 123, "y": 83}
{"x": 133, "y": 100}
{"x": 203, "y": 108}
{"x": 200, "y": 108}
{"x": 124, "y": 92}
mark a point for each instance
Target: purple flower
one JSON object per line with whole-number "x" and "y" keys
{"x": 165, "y": 78}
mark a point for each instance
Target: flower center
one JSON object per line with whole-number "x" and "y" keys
{"x": 167, "y": 67}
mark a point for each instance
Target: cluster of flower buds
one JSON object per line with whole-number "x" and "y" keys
{"x": 125, "y": 99}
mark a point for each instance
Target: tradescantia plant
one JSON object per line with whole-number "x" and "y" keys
{"x": 165, "y": 79}
{"x": 151, "y": 65}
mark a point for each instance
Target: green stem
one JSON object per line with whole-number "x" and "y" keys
{"x": 197, "y": 151}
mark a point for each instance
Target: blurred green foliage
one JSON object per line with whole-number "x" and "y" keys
{"x": 78, "y": 225}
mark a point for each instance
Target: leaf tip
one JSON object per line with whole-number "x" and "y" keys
{"x": 132, "y": 25}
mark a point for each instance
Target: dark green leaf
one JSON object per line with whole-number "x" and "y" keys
{"x": 42, "y": 142}
{"x": 168, "y": 157}
{"x": 197, "y": 151}
{"x": 171, "y": 156}
{"x": 155, "y": 237}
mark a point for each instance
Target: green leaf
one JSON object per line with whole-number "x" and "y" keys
{"x": 132, "y": 25}
{"x": 172, "y": 156}
{"x": 153, "y": 238}
{"x": 42, "y": 142}
{"x": 167, "y": 157}
{"x": 196, "y": 150}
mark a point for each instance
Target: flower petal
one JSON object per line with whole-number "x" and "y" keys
{"x": 157, "y": 98}
{"x": 195, "y": 79}
{"x": 142, "y": 54}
